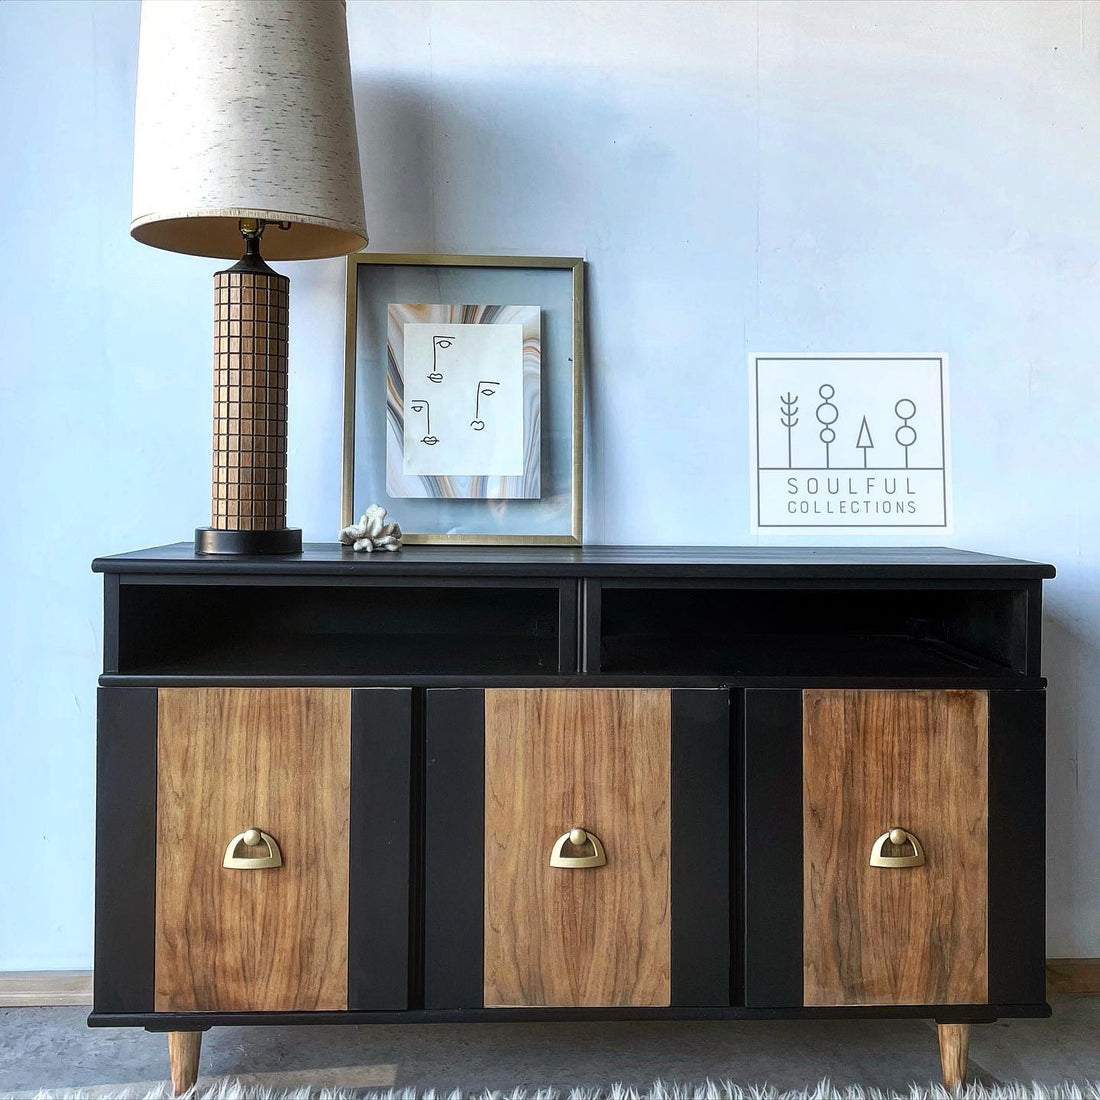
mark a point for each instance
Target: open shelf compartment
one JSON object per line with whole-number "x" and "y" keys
{"x": 230, "y": 630}
{"x": 745, "y": 631}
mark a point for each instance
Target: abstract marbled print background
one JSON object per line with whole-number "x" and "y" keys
{"x": 401, "y": 484}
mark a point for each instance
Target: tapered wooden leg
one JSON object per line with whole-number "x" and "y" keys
{"x": 183, "y": 1059}
{"x": 954, "y": 1050}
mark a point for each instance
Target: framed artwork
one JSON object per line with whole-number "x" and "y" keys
{"x": 463, "y": 396}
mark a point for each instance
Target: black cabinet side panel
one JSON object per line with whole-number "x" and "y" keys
{"x": 1033, "y": 631}
{"x": 110, "y": 622}
{"x": 379, "y": 870}
{"x": 125, "y": 849}
{"x": 1017, "y": 847}
{"x": 773, "y": 848}
{"x": 700, "y": 847}
{"x": 454, "y": 846}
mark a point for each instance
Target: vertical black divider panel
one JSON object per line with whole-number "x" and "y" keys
{"x": 592, "y": 627}
{"x": 454, "y": 846}
{"x": 379, "y": 869}
{"x": 700, "y": 847}
{"x": 416, "y": 846}
{"x": 1017, "y": 847}
{"x": 773, "y": 848}
{"x": 125, "y": 849}
{"x": 567, "y": 627}
{"x": 737, "y": 847}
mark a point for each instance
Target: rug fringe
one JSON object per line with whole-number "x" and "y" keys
{"x": 230, "y": 1089}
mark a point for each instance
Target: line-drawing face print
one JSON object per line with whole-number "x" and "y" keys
{"x": 463, "y": 390}
{"x": 438, "y": 342}
{"x": 477, "y": 423}
{"x": 418, "y": 406}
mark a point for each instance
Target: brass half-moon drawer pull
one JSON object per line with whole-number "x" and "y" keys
{"x": 252, "y": 838}
{"x": 899, "y": 838}
{"x": 579, "y": 838}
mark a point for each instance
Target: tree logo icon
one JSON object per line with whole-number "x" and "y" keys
{"x": 906, "y": 435}
{"x": 788, "y": 417}
{"x": 864, "y": 442}
{"x": 827, "y": 414}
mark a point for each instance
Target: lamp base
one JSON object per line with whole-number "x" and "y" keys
{"x": 212, "y": 540}
{"x": 248, "y": 498}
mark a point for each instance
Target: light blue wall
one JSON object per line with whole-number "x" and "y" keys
{"x": 793, "y": 176}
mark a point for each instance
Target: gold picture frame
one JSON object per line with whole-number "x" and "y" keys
{"x": 575, "y": 266}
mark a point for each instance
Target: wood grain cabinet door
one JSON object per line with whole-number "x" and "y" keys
{"x": 633, "y": 907}
{"x": 260, "y": 938}
{"x": 322, "y": 920}
{"x": 598, "y": 761}
{"x": 887, "y": 923}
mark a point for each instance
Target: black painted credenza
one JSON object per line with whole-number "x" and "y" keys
{"x": 555, "y": 783}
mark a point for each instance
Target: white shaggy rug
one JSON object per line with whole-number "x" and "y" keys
{"x": 709, "y": 1090}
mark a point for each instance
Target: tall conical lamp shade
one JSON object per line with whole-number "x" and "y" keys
{"x": 245, "y": 138}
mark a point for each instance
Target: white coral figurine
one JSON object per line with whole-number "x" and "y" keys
{"x": 372, "y": 532}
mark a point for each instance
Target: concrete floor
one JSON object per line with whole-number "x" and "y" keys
{"x": 52, "y": 1048}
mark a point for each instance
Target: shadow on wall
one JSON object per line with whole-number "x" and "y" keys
{"x": 1070, "y": 660}
{"x": 398, "y": 190}
{"x": 604, "y": 169}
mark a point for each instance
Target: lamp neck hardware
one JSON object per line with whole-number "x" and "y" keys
{"x": 252, "y": 230}
{"x": 254, "y": 227}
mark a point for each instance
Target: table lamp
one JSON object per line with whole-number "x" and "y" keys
{"x": 245, "y": 136}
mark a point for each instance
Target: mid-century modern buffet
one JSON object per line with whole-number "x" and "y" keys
{"x": 569, "y": 784}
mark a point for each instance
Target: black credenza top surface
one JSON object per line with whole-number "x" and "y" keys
{"x": 599, "y": 561}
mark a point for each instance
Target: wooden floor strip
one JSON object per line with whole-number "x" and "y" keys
{"x": 45, "y": 988}
{"x": 1073, "y": 976}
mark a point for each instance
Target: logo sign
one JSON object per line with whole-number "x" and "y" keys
{"x": 854, "y": 442}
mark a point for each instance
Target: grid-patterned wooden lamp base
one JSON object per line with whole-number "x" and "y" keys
{"x": 248, "y": 497}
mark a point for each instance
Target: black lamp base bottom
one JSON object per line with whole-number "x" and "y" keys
{"x": 212, "y": 540}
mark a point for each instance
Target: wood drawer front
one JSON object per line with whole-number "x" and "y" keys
{"x": 900, "y": 935}
{"x": 598, "y": 759}
{"x": 274, "y": 939}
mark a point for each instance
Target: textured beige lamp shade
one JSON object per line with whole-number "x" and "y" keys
{"x": 244, "y": 110}
{"x": 245, "y": 136}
